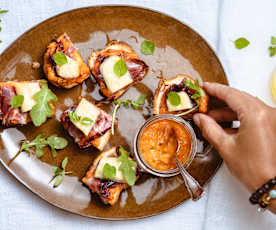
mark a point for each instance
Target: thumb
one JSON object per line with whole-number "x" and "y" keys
{"x": 211, "y": 130}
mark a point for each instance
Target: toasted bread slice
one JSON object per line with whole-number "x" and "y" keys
{"x": 165, "y": 86}
{"x": 136, "y": 67}
{"x": 10, "y": 116}
{"x": 109, "y": 191}
{"x": 75, "y": 75}
{"x": 98, "y": 135}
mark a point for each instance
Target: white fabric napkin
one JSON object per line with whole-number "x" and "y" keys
{"x": 225, "y": 205}
{"x": 249, "y": 70}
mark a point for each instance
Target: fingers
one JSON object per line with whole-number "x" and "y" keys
{"x": 234, "y": 98}
{"x": 212, "y": 131}
{"x": 223, "y": 114}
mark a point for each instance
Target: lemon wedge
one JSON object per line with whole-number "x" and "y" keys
{"x": 273, "y": 84}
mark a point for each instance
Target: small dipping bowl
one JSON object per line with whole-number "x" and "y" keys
{"x": 144, "y": 165}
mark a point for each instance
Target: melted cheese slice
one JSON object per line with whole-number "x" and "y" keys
{"x": 86, "y": 109}
{"x": 185, "y": 103}
{"x": 69, "y": 70}
{"x": 113, "y": 161}
{"x": 112, "y": 81}
{"x": 28, "y": 90}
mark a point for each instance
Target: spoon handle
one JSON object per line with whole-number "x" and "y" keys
{"x": 194, "y": 188}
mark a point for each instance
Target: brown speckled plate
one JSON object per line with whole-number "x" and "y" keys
{"x": 179, "y": 49}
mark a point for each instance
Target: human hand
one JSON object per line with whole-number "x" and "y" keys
{"x": 249, "y": 151}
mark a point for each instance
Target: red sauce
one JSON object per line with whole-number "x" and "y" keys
{"x": 163, "y": 139}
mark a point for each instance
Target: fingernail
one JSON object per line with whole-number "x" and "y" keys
{"x": 196, "y": 119}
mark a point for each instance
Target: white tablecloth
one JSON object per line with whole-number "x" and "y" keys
{"x": 225, "y": 205}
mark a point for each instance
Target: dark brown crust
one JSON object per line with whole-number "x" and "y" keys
{"x": 69, "y": 50}
{"x": 114, "y": 191}
{"x": 126, "y": 53}
{"x": 159, "y": 104}
{"x": 27, "y": 114}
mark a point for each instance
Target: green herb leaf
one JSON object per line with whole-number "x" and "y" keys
{"x": 59, "y": 173}
{"x": 109, "y": 171}
{"x": 196, "y": 87}
{"x": 174, "y": 98}
{"x": 60, "y": 59}
{"x": 73, "y": 116}
{"x": 57, "y": 142}
{"x": 64, "y": 163}
{"x": 134, "y": 105}
{"x": 147, "y": 47}
{"x": 273, "y": 40}
{"x": 17, "y": 101}
{"x": 241, "y": 43}
{"x": 58, "y": 181}
{"x": 57, "y": 170}
{"x": 3, "y": 11}
{"x": 272, "y": 51}
{"x": 120, "y": 68}
{"x": 141, "y": 100}
{"x": 86, "y": 121}
{"x": 0, "y": 28}
{"x": 42, "y": 109}
{"x": 40, "y": 142}
{"x": 127, "y": 166}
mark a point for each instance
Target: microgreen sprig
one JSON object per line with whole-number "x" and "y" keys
{"x": 134, "y": 104}
{"x": 40, "y": 141}
{"x": 126, "y": 166}
{"x": 59, "y": 173}
{"x": 196, "y": 87}
{"x": 2, "y": 12}
{"x": 272, "y": 48}
{"x": 83, "y": 120}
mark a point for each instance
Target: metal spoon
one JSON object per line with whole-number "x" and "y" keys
{"x": 193, "y": 187}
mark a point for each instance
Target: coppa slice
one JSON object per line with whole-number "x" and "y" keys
{"x": 109, "y": 190}
{"x": 178, "y": 96}
{"x": 63, "y": 65}
{"x": 14, "y": 111}
{"x": 102, "y": 63}
{"x": 87, "y": 124}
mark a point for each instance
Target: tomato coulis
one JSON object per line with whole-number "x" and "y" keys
{"x": 163, "y": 139}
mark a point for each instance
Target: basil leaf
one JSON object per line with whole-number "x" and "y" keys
{"x": 174, "y": 98}
{"x": 57, "y": 142}
{"x": 64, "y": 162}
{"x": 126, "y": 166}
{"x": 141, "y": 100}
{"x": 120, "y": 68}
{"x": 241, "y": 43}
{"x": 273, "y": 40}
{"x": 57, "y": 170}
{"x": 17, "y": 101}
{"x": 272, "y": 51}
{"x": 60, "y": 59}
{"x": 109, "y": 171}
{"x": 86, "y": 121}
{"x": 42, "y": 109}
{"x": 58, "y": 181}
{"x": 147, "y": 47}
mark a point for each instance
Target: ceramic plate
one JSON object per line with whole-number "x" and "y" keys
{"x": 179, "y": 49}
